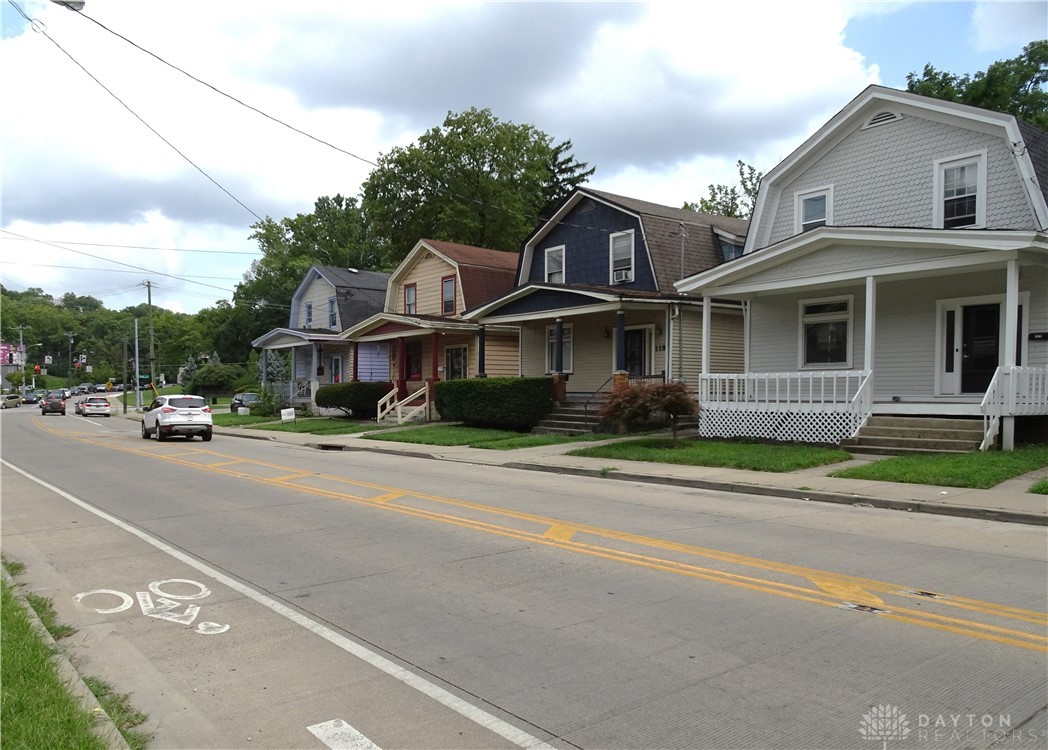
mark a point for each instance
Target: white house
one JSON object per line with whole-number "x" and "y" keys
{"x": 896, "y": 263}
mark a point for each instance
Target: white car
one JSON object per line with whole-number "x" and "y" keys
{"x": 177, "y": 415}
{"x": 95, "y": 405}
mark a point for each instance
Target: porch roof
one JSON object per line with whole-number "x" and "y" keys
{"x": 934, "y": 252}
{"x": 284, "y": 338}
{"x": 390, "y": 326}
{"x": 533, "y": 301}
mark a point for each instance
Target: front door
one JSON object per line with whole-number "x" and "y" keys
{"x": 636, "y": 352}
{"x": 971, "y": 336}
{"x": 454, "y": 362}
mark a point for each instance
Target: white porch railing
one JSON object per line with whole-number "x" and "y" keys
{"x": 406, "y": 412}
{"x": 811, "y": 407}
{"x": 1013, "y": 392}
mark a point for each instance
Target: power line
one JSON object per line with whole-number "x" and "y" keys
{"x": 146, "y": 247}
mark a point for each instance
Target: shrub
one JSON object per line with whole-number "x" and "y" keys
{"x": 636, "y": 406}
{"x": 509, "y": 403}
{"x": 211, "y": 380}
{"x": 357, "y": 399}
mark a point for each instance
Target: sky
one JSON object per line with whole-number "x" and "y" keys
{"x": 118, "y": 168}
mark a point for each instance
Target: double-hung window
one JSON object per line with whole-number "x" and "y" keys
{"x": 309, "y": 315}
{"x": 332, "y": 314}
{"x": 551, "y": 349}
{"x": 410, "y": 290}
{"x": 622, "y": 257}
{"x": 825, "y": 333}
{"x": 814, "y": 208}
{"x": 960, "y": 192}
{"x": 447, "y": 295}
{"x": 555, "y": 265}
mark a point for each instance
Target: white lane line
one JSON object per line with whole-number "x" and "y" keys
{"x": 468, "y": 710}
{"x": 338, "y": 735}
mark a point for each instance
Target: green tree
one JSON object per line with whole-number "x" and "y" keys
{"x": 731, "y": 200}
{"x": 1013, "y": 86}
{"x": 474, "y": 179}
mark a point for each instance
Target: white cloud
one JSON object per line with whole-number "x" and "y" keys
{"x": 1004, "y": 25}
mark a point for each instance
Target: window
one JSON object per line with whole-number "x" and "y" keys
{"x": 447, "y": 295}
{"x": 960, "y": 187}
{"x": 551, "y": 348}
{"x": 309, "y": 315}
{"x": 729, "y": 250}
{"x": 826, "y": 332}
{"x": 555, "y": 265}
{"x": 622, "y": 257}
{"x": 409, "y": 299}
{"x": 332, "y": 314}
{"x": 814, "y": 208}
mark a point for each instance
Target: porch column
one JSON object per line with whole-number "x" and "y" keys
{"x": 560, "y": 386}
{"x": 620, "y": 341}
{"x": 356, "y": 361}
{"x": 402, "y": 376}
{"x": 265, "y": 367}
{"x": 434, "y": 376}
{"x": 1011, "y": 332}
{"x": 871, "y": 328}
{"x": 707, "y": 308}
{"x": 480, "y": 353}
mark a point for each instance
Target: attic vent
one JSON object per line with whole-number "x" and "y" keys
{"x": 585, "y": 207}
{"x": 882, "y": 118}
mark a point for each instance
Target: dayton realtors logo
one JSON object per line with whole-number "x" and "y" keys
{"x": 884, "y": 724}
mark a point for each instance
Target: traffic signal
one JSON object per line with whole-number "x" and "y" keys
{"x": 36, "y": 369}
{"x": 77, "y": 365}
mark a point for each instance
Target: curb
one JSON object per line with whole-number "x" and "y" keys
{"x": 104, "y": 726}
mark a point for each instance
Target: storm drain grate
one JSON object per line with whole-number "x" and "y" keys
{"x": 862, "y": 608}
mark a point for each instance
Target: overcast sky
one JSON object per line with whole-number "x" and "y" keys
{"x": 118, "y": 169}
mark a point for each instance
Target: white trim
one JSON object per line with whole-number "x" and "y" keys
{"x": 949, "y": 384}
{"x": 978, "y": 158}
{"x": 307, "y": 313}
{"x": 802, "y": 320}
{"x": 800, "y": 197}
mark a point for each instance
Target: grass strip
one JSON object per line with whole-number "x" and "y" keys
{"x": 321, "y": 426}
{"x": 123, "y": 715}
{"x": 534, "y": 441}
{"x": 446, "y": 435}
{"x": 720, "y": 453}
{"x": 976, "y": 470}
{"x": 1041, "y": 488}
{"x": 38, "y": 709}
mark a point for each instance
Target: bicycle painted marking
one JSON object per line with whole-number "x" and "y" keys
{"x": 164, "y": 605}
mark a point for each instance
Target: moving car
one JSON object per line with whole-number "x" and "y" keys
{"x": 53, "y": 403}
{"x": 31, "y": 397}
{"x": 10, "y": 401}
{"x": 242, "y": 399}
{"x": 177, "y": 415}
{"x": 95, "y": 405}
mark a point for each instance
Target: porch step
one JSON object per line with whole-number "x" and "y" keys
{"x": 569, "y": 418}
{"x": 888, "y": 435}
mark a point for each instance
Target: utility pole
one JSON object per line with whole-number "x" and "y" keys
{"x": 69, "y": 367}
{"x": 21, "y": 350}
{"x": 152, "y": 344}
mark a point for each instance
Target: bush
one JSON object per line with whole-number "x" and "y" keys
{"x": 358, "y": 399}
{"x": 509, "y": 403}
{"x": 213, "y": 380}
{"x": 642, "y": 405}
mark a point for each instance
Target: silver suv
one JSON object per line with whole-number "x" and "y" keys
{"x": 177, "y": 415}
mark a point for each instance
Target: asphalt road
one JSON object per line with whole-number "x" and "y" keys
{"x": 258, "y": 595}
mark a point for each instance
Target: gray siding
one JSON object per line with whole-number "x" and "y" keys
{"x": 843, "y": 259}
{"x": 883, "y": 176}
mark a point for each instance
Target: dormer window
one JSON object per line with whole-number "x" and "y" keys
{"x": 813, "y": 209}
{"x": 960, "y": 192}
{"x": 555, "y": 265}
{"x": 622, "y": 257}
{"x": 309, "y": 315}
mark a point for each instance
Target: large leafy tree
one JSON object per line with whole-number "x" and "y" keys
{"x": 334, "y": 234}
{"x": 474, "y": 179}
{"x": 731, "y": 200}
{"x": 1014, "y": 86}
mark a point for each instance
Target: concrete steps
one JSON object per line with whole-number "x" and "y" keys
{"x": 888, "y": 435}
{"x": 569, "y": 418}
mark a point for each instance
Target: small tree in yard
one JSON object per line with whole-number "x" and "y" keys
{"x": 673, "y": 400}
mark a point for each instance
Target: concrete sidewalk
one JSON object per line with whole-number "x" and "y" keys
{"x": 1009, "y": 501}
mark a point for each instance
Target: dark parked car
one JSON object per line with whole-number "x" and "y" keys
{"x": 243, "y": 399}
{"x": 53, "y": 403}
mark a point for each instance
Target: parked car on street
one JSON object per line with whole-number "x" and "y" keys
{"x": 93, "y": 405}
{"x": 53, "y": 403}
{"x": 177, "y": 415}
{"x": 10, "y": 401}
{"x": 242, "y": 399}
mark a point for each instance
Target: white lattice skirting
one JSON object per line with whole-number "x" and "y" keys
{"x": 783, "y": 426}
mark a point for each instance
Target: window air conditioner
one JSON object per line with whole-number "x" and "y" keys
{"x": 621, "y": 276}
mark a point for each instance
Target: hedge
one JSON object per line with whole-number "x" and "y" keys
{"x": 357, "y": 399}
{"x": 509, "y": 403}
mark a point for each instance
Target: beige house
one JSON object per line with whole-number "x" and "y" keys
{"x": 422, "y": 324}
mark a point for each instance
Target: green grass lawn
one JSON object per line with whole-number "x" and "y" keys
{"x": 477, "y": 437}
{"x": 976, "y": 470}
{"x": 226, "y": 419}
{"x": 320, "y": 426}
{"x": 727, "y": 454}
{"x": 1041, "y": 488}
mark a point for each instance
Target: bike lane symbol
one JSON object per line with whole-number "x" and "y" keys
{"x": 163, "y": 606}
